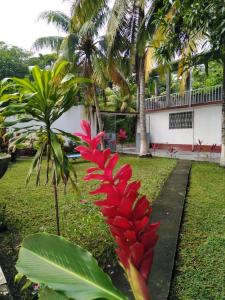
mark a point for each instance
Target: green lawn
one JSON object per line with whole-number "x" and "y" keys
{"x": 200, "y": 271}
{"x": 30, "y": 209}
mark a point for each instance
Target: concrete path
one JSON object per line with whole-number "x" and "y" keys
{"x": 168, "y": 209}
{"x": 183, "y": 155}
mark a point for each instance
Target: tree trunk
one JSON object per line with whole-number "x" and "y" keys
{"x": 143, "y": 133}
{"x": 222, "y": 156}
{"x": 56, "y": 204}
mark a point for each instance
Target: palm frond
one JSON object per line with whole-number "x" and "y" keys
{"x": 84, "y": 11}
{"x": 52, "y": 42}
{"x": 149, "y": 62}
{"x": 68, "y": 46}
{"x": 117, "y": 77}
{"x": 118, "y": 23}
{"x": 60, "y": 20}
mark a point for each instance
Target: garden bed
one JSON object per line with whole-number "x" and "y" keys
{"x": 200, "y": 273}
{"x": 31, "y": 210}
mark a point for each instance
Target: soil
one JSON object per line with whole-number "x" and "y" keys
{"x": 10, "y": 241}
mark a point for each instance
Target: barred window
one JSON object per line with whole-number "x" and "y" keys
{"x": 181, "y": 120}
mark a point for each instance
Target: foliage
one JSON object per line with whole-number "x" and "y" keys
{"x": 116, "y": 101}
{"x": 199, "y": 272}
{"x": 42, "y": 60}
{"x": 201, "y": 79}
{"x": 12, "y": 61}
{"x": 125, "y": 210}
{"x": 40, "y": 102}
{"x": 64, "y": 269}
{"x": 15, "y": 61}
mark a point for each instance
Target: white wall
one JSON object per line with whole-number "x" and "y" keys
{"x": 70, "y": 120}
{"x": 207, "y": 126}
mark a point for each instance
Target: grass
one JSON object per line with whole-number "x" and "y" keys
{"x": 200, "y": 272}
{"x": 30, "y": 209}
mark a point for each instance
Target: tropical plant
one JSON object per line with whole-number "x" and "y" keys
{"x": 66, "y": 271}
{"x": 5, "y": 98}
{"x": 122, "y": 136}
{"x": 125, "y": 210}
{"x": 63, "y": 270}
{"x": 40, "y": 102}
{"x": 115, "y": 100}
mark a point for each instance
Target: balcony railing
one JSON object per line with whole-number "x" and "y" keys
{"x": 188, "y": 98}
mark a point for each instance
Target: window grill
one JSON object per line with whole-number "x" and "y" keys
{"x": 181, "y": 120}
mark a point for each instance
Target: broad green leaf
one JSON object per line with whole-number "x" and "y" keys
{"x": 59, "y": 67}
{"x": 48, "y": 294}
{"x": 64, "y": 267}
{"x": 25, "y": 83}
{"x": 74, "y": 79}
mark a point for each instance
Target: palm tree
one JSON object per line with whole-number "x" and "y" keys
{"x": 40, "y": 102}
{"x": 80, "y": 46}
{"x": 130, "y": 28}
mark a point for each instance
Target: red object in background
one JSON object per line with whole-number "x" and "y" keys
{"x": 125, "y": 210}
{"x": 122, "y": 135}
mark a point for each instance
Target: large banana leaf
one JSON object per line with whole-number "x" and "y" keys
{"x": 48, "y": 294}
{"x": 65, "y": 268}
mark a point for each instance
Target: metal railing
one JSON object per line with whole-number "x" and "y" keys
{"x": 188, "y": 98}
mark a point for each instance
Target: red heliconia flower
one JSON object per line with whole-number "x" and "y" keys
{"x": 125, "y": 210}
{"x": 122, "y": 135}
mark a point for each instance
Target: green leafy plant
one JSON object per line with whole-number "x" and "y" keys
{"x": 63, "y": 270}
{"x": 41, "y": 101}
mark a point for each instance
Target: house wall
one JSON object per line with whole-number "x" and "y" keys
{"x": 206, "y": 127}
{"x": 70, "y": 120}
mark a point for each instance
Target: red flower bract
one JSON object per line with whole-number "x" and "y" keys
{"x": 125, "y": 210}
{"x": 122, "y": 135}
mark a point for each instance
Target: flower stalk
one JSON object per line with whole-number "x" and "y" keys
{"x": 126, "y": 211}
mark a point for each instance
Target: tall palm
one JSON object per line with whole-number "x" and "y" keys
{"x": 79, "y": 46}
{"x": 129, "y": 31}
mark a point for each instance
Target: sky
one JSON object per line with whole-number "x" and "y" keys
{"x": 18, "y": 20}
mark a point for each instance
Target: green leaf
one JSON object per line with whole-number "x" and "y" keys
{"x": 68, "y": 135}
{"x": 69, "y": 77}
{"x": 35, "y": 161}
{"x": 56, "y": 147}
{"x": 48, "y": 294}
{"x": 64, "y": 267}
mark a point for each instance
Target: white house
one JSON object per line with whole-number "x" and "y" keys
{"x": 181, "y": 121}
